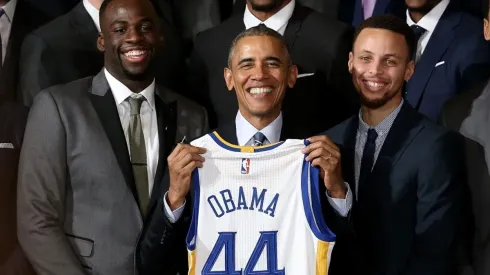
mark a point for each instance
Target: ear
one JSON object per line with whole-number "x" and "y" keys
{"x": 293, "y": 75}
{"x": 350, "y": 62}
{"x": 486, "y": 29}
{"x": 228, "y": 79}
{"x": 100, "y": 42}
{"x": 409, "y": 70}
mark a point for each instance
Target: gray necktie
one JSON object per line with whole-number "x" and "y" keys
{"x": 138, "y": 152}
{"x": 258, "y": 139}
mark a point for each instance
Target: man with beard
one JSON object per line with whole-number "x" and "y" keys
{"x": 406, "y": 172}
{"x": 92, "y": 171}
{"x": 451, "y": 54}
{"x": 323, "y": 94}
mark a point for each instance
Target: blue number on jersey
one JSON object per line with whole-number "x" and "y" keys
{"x": 226, "y": 240}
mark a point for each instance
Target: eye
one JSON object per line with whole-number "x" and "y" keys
{"x": 146, "y": 28}
{"x": 365, "y": 58}
{"x": 391, "y": 62}
{"x": 273, "y": 64}
{"x": 120, "y": 30}
{"x": 246, "y": 66}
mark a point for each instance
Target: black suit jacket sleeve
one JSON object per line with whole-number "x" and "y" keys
{"x": 440, "y": 181}
{"x": 34, "y": 69}
{"x": 162, "y": 249}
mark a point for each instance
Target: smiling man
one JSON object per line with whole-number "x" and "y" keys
{"x": 406, "y": 172}
{"x": 93, "y": 166}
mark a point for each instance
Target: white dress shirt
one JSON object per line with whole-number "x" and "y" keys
{"x": 429, "y": 23}
{"x": 93, "y": 12}
{"x": 245, "y": 131}
{"x": 149, "y": 123}
{"x": 6, "y": 25}
{"x": 277, "y": 22}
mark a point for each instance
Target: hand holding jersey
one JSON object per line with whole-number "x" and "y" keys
{"x": 323, "y": 153}
{"x": 181, "y": 162}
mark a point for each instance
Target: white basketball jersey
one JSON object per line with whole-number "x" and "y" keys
{"x": 257, "y": 211}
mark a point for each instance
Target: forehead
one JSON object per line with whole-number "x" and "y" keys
{"x": 258, "y": 47}
{"x": 129, "y": 8}
{"x": 380, "y": 42}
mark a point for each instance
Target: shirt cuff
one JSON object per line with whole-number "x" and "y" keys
{"x": 172, "y": 216}
{"x": 341, "y": 206}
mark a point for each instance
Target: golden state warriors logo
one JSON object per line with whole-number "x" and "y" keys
{"x": 245, "y": 166}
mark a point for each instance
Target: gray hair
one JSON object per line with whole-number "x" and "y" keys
{"x": 260, "y": 30}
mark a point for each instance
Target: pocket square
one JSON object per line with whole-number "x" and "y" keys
{"x": 6, "y": 146}
{"x": 305, "y": 75}
{"x": 439, "y": 64}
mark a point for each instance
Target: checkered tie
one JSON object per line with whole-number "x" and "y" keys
{"x": 258, "y": 139}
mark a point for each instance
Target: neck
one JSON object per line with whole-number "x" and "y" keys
{"x": 261, "y": 122}
{"x": 96, "y": 3}
{"x": 3, "y": 2}
{"x": 262, "y": 16}
{"x": 373, "y": 117}
{"x": 417, "y": 15}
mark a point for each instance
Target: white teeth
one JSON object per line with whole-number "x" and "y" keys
{"x": 135, "y": 53}
{"x": 374, "y": 84}
{"x": 258, "y": 91}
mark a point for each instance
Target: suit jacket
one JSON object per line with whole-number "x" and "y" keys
{"x": 54, "y": 8}
{"x": 454, "y": 112}
{"x": 77, "y": 201}
{"x": 329, "y": 8}
{"x": 456, "y": 58}
{"x": 319, "y": 101}
{"x": 406, "y": 216}
{"x": 26, "y": 19}
{"x": 351, "y": 12}
{"x": 65, "y": 50}
{"x": 13, "y": 119}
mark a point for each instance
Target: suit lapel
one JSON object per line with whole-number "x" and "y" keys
{"x": 380, "y": 7}
{"x": 106, "y": 109}
{"x": 228, "y": 132}
{"x": 358, "y": 16}
{"x": 294, "y": 25}
{"x": 348, "y": 153}
{"x": 438, "y": 44}
{"x": 404, "y": 129}
{"x": 167, "y": 128}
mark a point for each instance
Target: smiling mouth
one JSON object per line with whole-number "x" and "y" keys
{"x": 374, "y": 84}
{"x": 260, "y": 91}
{"x": 135, "y": 56}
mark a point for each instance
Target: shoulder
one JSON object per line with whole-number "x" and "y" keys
{"x": 13, "y": 119}
{"x": 226, "y": 31}
{"x": 53, "y": 32}
{"x": 189, "y": 107}
{"x": 434, "y": 136}
{"x": 337, "y": 133}
{"x": 463, "y": 101}
{"x": 323, "y": 25}
{"x": 72, "y": 90}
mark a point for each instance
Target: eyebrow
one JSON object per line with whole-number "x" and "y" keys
{"x": 143, "y": 20}
{"x": 386, "y": 55}
{"x": 268, "y": 58}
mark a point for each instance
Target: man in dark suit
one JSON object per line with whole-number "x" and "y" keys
{"x": 65, "y": 50}
{"x": 93, "y": 162}
{"x": 323, "y": 95}
{"x": 355, "y": 11}
{"x": 13, "y": 119}
{"x": 12, "y": 33}
{"x": 258, "y": 72}
{"x": 468, "y": 113}
{"x": 54, "y": 8}
{"x": 451, "y": 56}
{"x": 405, "y": 172}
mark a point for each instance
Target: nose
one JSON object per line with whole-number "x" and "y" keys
{"x": 375, "y": 68}
{"x": 133, "y": 35}
{"x": 259, "y": 72}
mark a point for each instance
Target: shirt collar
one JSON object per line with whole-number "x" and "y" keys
{"x": 429, "y": 21}
{"x": 121, "y": 92}
{"x": 9, "y": 9}
{"x": 245, "y": 131}
{"x": 93, "y": 12}
{"x": 275, "y": 22}
{"x": 384, "y": 126}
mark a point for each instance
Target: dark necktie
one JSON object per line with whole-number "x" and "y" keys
{"x": 2, "y": 12}
{"x": 138, "y": 153}
{"x": 418, "y": 31}
{"x": 368, "y": 156}
{"x": 258, "y": 139}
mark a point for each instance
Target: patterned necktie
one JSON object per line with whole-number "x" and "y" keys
{"x": 2, "y": 12}
{"x": 258, "y": 139}
{"x": 367, "y": 160}
{"x": 368, "y": 8}
{"x": 138, "y": 152}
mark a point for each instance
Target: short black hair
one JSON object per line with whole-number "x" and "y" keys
{"x": 260, "y": 30}
{"x": 103, "y": 7}
{"x": 390, "y": 23}
{"x": 485, "y": 6}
